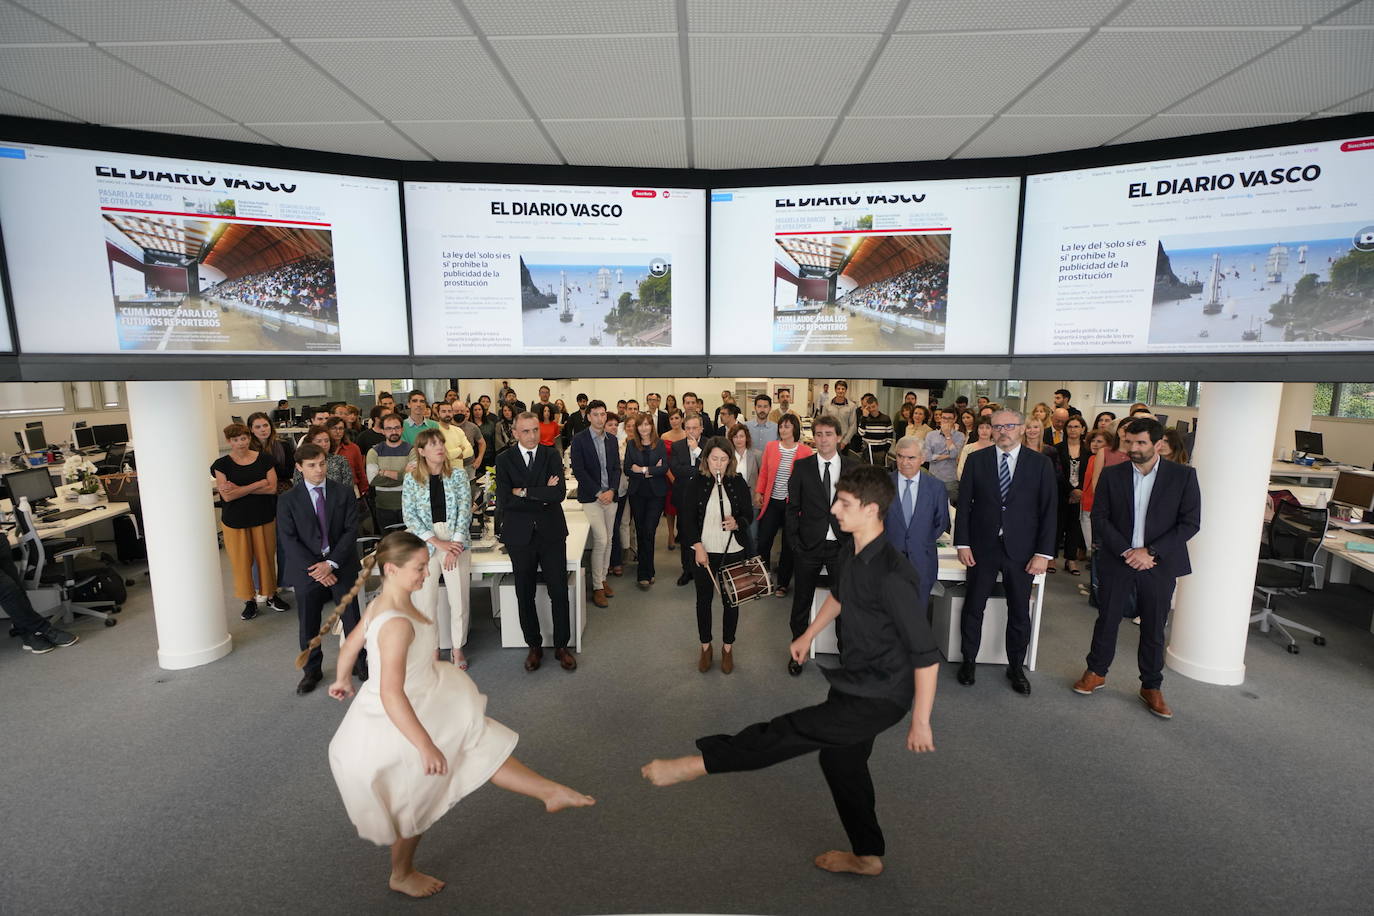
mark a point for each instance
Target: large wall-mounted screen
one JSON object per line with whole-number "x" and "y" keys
{"x": 556, "y": 270}
{"x": 111, "y": 252}
{"x": 6, "y": 344}
{"x": 897, "y": 268}
{"x": 1260, "y": 251}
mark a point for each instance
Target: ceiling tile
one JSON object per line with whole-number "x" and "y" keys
{"x": 18, "y": 26}
{"x": 449, "y": 79}
{"x": 1166, "y": 126}
{"x": 937, "y": 15}
{"x": 899, "y": 139}
{"x": 1142, "y": 72}
{"x": 1166, "y": 14}
{"x": 481, "y": 141}
{"x": 646, "y": 143}
{"x": 786, "y": 74}
{"x": 18, "y": 106}
{"x": 270, "y": 83}
{"x": 90, "y": 85}
{"x": 958, "y": 74}
{"x": 614, "y": 77}
{"x": 560, "y": 17}
{"x": 149, "y": 20}
{"x": 789, "y": 17}
{"x": 213, "y": 131}
{"x": 360, "y": 18}
{"x": 365, "y": 138}
{"x": 738, "y": 143}
{"x": 1022, "y": 136}
{"x": 1313, "y": 71}
{"x": 1360, "y": 14}
{"x": 1354, "y": 106}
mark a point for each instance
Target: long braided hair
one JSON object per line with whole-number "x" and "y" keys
{"x": 396, "y": 548}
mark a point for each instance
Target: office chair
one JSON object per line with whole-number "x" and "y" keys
{"x": 63, "y": 576}
{"x": 1287, "y": 566}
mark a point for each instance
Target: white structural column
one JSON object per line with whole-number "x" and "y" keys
{"x": 173, "y": 422}
{"x": 1212, "y": 608}
{"x": 1295, "y": 412}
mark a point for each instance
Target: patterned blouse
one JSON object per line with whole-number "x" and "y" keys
{"x": 457, "y": 507}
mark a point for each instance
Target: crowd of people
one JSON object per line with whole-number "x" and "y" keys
{"x": 920, "y": 292}
{"x": 305, "y": 287}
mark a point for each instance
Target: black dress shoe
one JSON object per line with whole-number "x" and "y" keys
{"x": 967, "y": 671}
{"x": 684, "y": 578}
{"x": 309, "y": 682}
{"x": 794, "y": 667}
{"x": 1019, "y": 682}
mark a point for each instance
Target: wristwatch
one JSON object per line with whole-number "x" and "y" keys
{"x": 1152, "y": 552}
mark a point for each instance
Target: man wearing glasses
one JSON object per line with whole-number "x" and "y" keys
{"x": 1005, "y": 523}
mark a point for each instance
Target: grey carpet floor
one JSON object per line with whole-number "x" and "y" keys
{"x": 135, "y": 790}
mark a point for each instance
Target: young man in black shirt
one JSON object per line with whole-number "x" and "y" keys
{"x": 888, "y": 667}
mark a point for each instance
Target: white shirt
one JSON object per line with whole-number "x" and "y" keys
{"x": 1142, "y": 486}
{"x": 834, "y": 465}
{"x": 528, "y": 455}
{"x": 1012, "y": 457}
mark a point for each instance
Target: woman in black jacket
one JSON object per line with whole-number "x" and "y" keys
{"x": 1072, "y": 462}
{"x": 646, "y": 467}
{"x": 715, "y": 523}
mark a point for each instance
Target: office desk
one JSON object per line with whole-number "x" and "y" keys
{"x": 1343, "y": 560}
{"x": 1317, "y": 474}
{"x": 102, "y": 510}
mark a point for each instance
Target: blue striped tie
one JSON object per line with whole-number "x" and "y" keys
{"x": 1004, "y": 476}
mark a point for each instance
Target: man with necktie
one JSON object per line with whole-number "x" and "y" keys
{"x": 919, "y": 514}
{"x": 529, "y": 499}
{"x": 317, "y": 529}
{"x": 812, "y": 531}
{"x": 1007, "y": 517}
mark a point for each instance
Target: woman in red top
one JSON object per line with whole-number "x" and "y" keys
{"x": 341, "y": 446}
{"x": 770, "y": 494}
{"x": 549, "y": 427}
{"x": 1102, "y": 444}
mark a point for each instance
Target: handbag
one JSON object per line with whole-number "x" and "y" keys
{"x": 746, "y": 579}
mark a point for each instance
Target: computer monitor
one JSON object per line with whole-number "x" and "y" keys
{"x": 1182, "y": 427}
{"x": 1307, "y": 442}
{"x": 35, "y": 483}
{"x": 110, "y": 434}
{"x": 1354, "y": 490}
{"x": 31, "y": 438}
{"x": 1163, "y": 419}
{"x": 282, "y": 416}
{"x": 84, "y": 436}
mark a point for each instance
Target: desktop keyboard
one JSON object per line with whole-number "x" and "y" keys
{"x": 63, "y": 515}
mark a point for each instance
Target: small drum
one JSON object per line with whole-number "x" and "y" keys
{"x": 746, "y": 580}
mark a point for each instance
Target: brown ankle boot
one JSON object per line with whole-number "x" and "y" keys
{"x": 727, "y": 659}
{"x": 704, "y": 663}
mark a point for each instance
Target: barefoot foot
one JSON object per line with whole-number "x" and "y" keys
{"x": 563, "y": 797}
{"x": 848, "y": 863}
{"x": 416, "y": 884}
{"x": 671, "y": 772}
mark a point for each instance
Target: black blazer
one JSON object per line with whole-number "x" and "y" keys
{"x": 1028, "y": 521}
{"x": 808, "y": 505}
{"x": 684, "y": 469}
{"x": 1061, "y": 467}
{"x": 298, "y": 532}
{"x": 738, "y": 504}
{"x": 655, "y": 458}
{"x": 661, "y": 421}
{"x": 1172, "y": 517}
{"x": 539, "y": 513}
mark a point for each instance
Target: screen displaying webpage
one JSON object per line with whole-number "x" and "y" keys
{"x": 1266, "y": 250}
{"x": 111, "y": 252}
{"x": 553, "y": 269}
{"x": 886, "y": 268}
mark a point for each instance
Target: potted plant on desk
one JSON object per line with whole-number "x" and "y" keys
{"x": 88, "y": 490}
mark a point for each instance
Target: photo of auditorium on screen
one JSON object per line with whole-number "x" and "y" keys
{"x": 1265, "y": 286}
{"x": 861, "y": 293}
{"x": 193, "y": 284}
{"x": 596, "y": 299}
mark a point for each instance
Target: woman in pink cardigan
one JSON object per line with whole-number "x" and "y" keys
{"x": 770, "y": 495}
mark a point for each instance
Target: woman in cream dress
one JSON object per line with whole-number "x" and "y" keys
{"x": 416, "y": 739}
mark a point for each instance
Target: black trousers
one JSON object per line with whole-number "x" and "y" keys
{"x": 706, "y": 590}
{"x": 1016, "y": 583}
{"x": 310, "y": 602}
{"x": 770, "y": 524}
{"x": 842, "y": 729}
{"x": 1154, "y": 592}
{"x": 1070, "y": 538}
{"x": 645, "y": 509}
{"x": 15, "y": 600}
{"x": 549, "y": 557}
{"x": 808, "y": 565}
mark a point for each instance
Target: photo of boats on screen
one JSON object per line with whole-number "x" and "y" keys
{"x": 613, "y": 299}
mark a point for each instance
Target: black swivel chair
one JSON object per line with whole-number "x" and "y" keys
{"x": 52, "y": 564}
{"x": 1288, "y": 566}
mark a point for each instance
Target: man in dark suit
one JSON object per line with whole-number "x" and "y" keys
{"x": 529, "y": 498}
{"x": 1007, "y": 517}
{"x": 812, "y": 531}
{"x": 919, "y": 514}
{"x": 651, "y": 402}
{"x": 317, "y": 528}
{"x": 1144, "y": 512}
{"x": 682, "y": 464}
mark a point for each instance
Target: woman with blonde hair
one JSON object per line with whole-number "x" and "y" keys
{"x": 1041, "y": 411}
{"x": 436, "y": 503}
{"x": 416, "y": 740}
